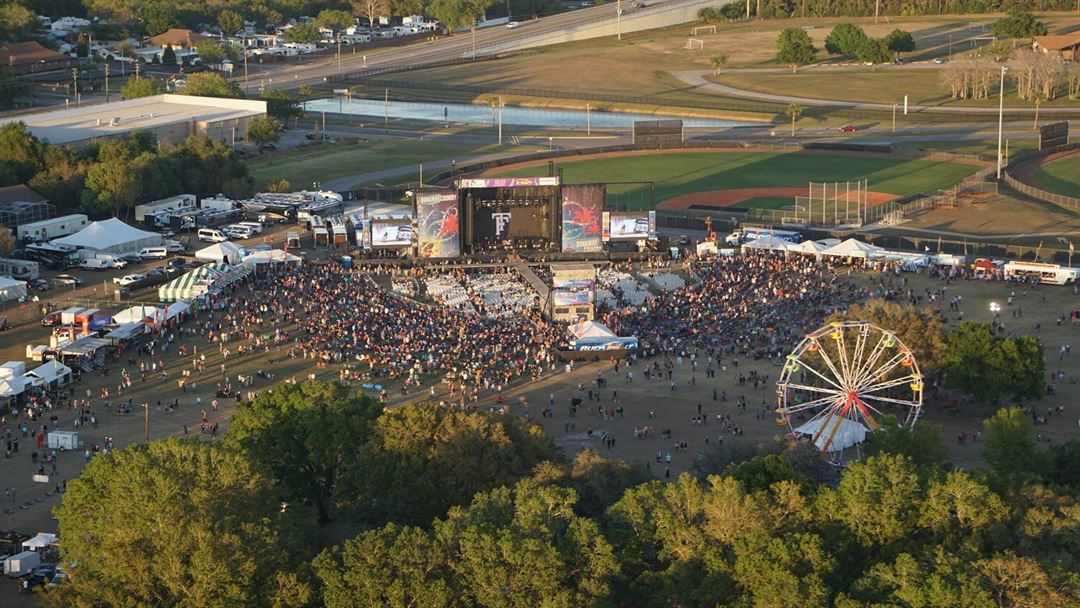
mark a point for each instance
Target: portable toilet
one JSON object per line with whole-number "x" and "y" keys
{"x": 346, "y": 261}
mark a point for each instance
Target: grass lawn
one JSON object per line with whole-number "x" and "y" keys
{"x": 301, "y": 166}
{"x": 676, "y": 174}
{"x": 963, "y": 146}
{"x": 1062, "y": 177}
{"x": 766, "y": 202}
{"x": 1002, "y": 215}
{"x": 886, "y": 85}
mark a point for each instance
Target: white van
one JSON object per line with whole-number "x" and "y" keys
{"x": 256, "y": 227}
{"x": 96, "y": 264}
{"x": 238, "y": 232}
{"x": 154, "y": 253}
{"x": 209, "y": 235}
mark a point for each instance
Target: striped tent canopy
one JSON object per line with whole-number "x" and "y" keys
{"x": 200, "y": 282}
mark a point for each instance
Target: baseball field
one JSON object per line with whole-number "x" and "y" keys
{"x": 1060, "y": 176}
{"x": 751, "y": 179}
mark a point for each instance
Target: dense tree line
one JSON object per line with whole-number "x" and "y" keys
{"x": 184, "y": 523}
{"x": 110, "y": 176}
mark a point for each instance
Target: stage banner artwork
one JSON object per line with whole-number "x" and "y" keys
{"x": 605, "y": 225}
{"x": 582, "y": 209}
{"x": 392, "y": 233}
{"x": 652, "y": 225}
{"x": 508, "y": 182}
{"x": 365, "y": 234}
{"x": 438, "y": 225}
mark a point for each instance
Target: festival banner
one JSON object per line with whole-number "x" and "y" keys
{"x": 438, "y": 225}
{"x": 605, "y": 225}
{"x": 652, "y": 224}
{"x": 582, "y": 211}
{"x": 508, "y": 182}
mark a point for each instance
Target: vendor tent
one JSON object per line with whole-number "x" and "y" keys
{"x": 591, "y": 335}
{"x": 12, "y": 387}
{"x": 852, "y": 249}
{"x": 51, "y": 374}
{"x": 843, "y": 432}
{"x": 768, "y": 242}
{"x": 226, "y": 252}
{"x": 10, "y": 289}
{"x": 275, "y": 256}
{"x": 201, "y": 281}
{"x": 137, "y": 314}
{"x": 814, "y": 247}
{"x": 41, "y": 541}
{"x": 111, "y": 236}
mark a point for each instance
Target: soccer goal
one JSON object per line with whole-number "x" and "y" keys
{"x": 711, "y": 29}
{"x": 694, "y": 43}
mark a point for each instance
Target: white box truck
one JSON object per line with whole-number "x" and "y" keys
{"x": 21, "y": 563}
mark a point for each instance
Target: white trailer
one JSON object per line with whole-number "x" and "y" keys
{"x": 23, "y": 270}
{"x": 218, "y": 204}
{"x": 180, "y": 202}
{"x": 57, "y": 227}
{"x": 21, "y": 563}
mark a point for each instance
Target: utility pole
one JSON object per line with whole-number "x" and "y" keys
{"x": 588, "y": 119}
{"x": 747, "y": 10}
{"x": 75, "y": 84}
{"x": 500, "y": 119}
{"x": 107, "y": 88}
{"x": 138, "y": 68}
{"x": 1001, "y": 120}
{"x": 618, "y": 19}
{"x": 1038, "y": 101}
{"x": 877, "y": 9}
{"x": 245, "y": 71}
{"x": 386, "y": 111}
{"x": 894, "y": 117}
{"x": 339, "y": 52}
{"x": 146, "y": 422}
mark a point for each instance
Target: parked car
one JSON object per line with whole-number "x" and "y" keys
{"x": 40, "y": 285}
{"x": 175, "y": 247}
{"x": 176, "y": 263}
{"x": 155, "y": 273}
{"x": 938, "y": 60}
{"x": 51, "y": 319}
{"x": 268, "y": 147}
{"x": 130, "y": 258}
{"x": 848, "y": 129}
{"x": 128, "y": 279}
{"x": 512, "y": 24}
{"x": 67, "y": 279}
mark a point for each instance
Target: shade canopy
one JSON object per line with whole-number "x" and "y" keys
{"x": 226, "y": 252}
{"x": 111, "y": 236}
{"x": 41, "y": 541}
{"x": 768, "y": 242}
{"x": 275, "y": 256}
{"x": 844, "y": 433}
{"x": 10, "y": 289}
{"x": 852, "y": 249}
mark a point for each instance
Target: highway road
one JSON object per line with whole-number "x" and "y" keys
{"x": 456, "y": 46}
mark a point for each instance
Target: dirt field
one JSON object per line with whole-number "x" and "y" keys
{"x": 732, "y": 198}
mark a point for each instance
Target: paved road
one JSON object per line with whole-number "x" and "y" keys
{"x": 454, "y": 46}
{"x": 696, "y": 78}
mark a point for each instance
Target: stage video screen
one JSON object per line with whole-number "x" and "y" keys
{"x": 573, "y": 293}
{"x": 395, "y": 233}
{"x": 582, "y": 211}
{"x": 438, "y": 224}
{"x": 629, "y": 226}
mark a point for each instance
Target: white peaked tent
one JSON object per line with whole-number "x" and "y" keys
{"x": 275, "y": 256}
{"x": 768, "y": 242}
{"x": 853, "y": 249}
{"x": 111, "y": 236}
{"x": 809, "y": 247}
{"x": 51, "y": 373}
{"x": 137, "y": 314}
{"x": 226, "y": 252}
{"x": 844, "y": 432}
{"x": 11, "y": 289}
{"x": 41, "y": 541}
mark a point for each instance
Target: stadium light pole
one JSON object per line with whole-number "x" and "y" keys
{"x": 618, "y": 19}
{"x": 1001, "y": 119}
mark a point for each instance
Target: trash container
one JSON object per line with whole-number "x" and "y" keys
{"x": 346, "y": 261}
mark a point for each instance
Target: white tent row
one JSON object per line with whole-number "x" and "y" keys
{"x": 150, "y": 314}
{"x": 10, "y": 289}
{"x": 274, "y": 256}
{"x": 111, "y": 236}
{"x": 203, "y": 280}
{"x": 51, "y": 374}
{"x": 850, "y": 248}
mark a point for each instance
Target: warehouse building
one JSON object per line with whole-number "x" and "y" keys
{"x": 172, "y": 118}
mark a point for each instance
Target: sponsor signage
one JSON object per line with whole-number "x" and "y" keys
{"x": 508, "y": 182}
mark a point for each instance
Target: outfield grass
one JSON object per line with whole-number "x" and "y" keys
{"x": 965, "y": 146}
{"x": 1003, "y": 215}
{"x": 1061, "y": 177}
{"x": 676, "y": 174}
{"x": 325, "y": 162}
{"x": 766, "y": 202}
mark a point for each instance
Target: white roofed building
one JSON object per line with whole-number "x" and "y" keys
{"x": 110, "y": 236}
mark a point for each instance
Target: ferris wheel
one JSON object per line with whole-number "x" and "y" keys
{"x": 842, "y": 380}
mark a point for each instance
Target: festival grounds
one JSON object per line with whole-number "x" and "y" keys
{"x": 671, "y": 410}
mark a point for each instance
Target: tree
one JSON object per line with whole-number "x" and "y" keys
{"x": 63, "y": 178}
{"x": 456, "y": 14}
{"x": 793, "y": 110}
{"x": 794, "y": 48}
{"x": 264, "y": 130}
{"x": 877, "y": 499}
{"x": 210, "y": 84}
{"x": 157, "y": 17}
{"x": 1018, "y": 24}
{"x": 395, "y": 567}
{"x": 278, "y": 185}
{"x": 845, "y": 39}
{"x": 873, "y": 51}
{"x": 141, "y": 87}
{"x": 960, "y": 507}
{"x": 307, "y": 435}
{"x": 990, "y": 367}
{"x": 371, "y": 10}
{"x": 775, "y": 569}
{"x": 919, "y": 329}
{"x": 230, "y": 21}
{"x": 7, "y": 244}
{"x": 709, "y": 15}
{"x": 20, "y": 154}
{"x": 445, "y": 456}
{"x": 282, "y": 105}
{"x": 210, "y": 52}
{"x": 176, "y": 522}
{"x": 112, "y": 187}
{"x": 82, "y": 45}
{"x": 920, "y": 442}
{"x": 168, "y": 55}
{"x": 718, "y": 61}
{"x": 16, "y": 20}
{"x": 900, "y": 41}
{"x": 303, "y": 33}
{"x": 334, "y": 20}
{"x": 1009, "y": 445}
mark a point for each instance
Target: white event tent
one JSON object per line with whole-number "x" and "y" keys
{"x": 852, "y": 248}
{"x": 844, "y": 433}
{"x": 110, "y": 236}
{"x": 275, "y": 256}
{"x": 226, "y": 252}
{"x": 10, "y": 289}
